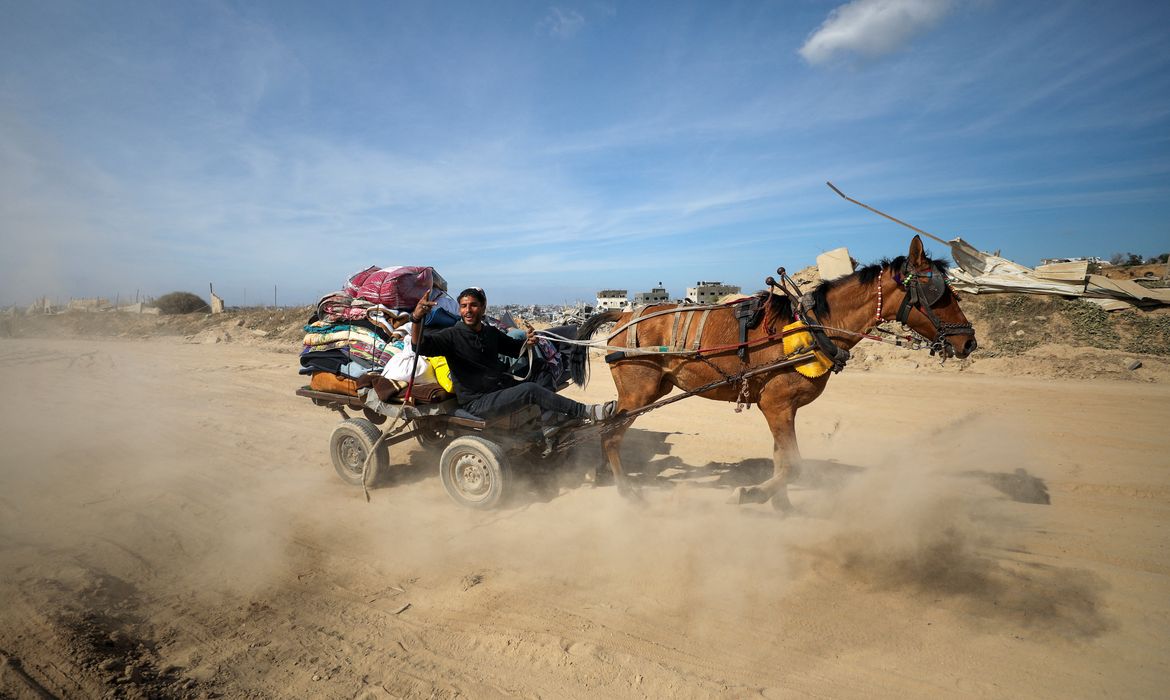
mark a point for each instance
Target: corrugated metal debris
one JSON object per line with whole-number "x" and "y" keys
{"x": 977, "y": 272}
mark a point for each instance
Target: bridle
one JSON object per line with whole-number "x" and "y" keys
{"x": 923, "y": 290}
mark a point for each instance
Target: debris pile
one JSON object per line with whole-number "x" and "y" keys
{"x": 977, "y": 272}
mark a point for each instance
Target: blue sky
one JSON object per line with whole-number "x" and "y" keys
{"x": 544, "y": 151}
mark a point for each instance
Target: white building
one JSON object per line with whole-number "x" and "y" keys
{"x": 1091, "y": 260}
{"x": 612, "y": 299}
{"x": 710, "y": 292}
{"x": 656, "y": 295}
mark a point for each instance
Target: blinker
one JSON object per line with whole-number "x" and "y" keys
{"x": 935, "y": 288}
{"x": 931, "y": 286}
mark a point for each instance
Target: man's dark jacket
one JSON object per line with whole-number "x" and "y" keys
{"x": 473, "y": 358}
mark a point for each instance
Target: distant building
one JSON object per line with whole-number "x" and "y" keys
{"x": 710, "y": 292}
{"x": 89, "y": 304}
{"x": 1089, "y": 259}
{"x": 138, "y": 307}
{"x": 41, "y": 306}
{"x": 656, "y": 295}
{"x": 612, "y": 299}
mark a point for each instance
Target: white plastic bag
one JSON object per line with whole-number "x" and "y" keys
{"x": 398, "y": 368}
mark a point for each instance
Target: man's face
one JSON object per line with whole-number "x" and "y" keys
{"x": 470, "y": 310}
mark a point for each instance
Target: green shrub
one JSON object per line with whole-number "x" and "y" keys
{"x": 1005, "y": 315}
{"x": 1148, "y": 333}
{"x": 1090, "y": 324}
{"x": 181, "y": 303}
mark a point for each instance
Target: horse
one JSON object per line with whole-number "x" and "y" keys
{"x": 911, "y": 289}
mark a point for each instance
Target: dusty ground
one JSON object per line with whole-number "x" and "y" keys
{"x": 170, "y": 527}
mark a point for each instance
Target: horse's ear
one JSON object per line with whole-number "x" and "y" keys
{"x": 916, "y": 256}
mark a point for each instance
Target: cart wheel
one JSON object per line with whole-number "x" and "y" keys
{"x": 432, "y": 436}
{"x": 348, "y": 446}
{"x": 474, "y": 472}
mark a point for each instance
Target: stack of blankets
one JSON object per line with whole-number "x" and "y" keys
{"x": 357, "y": 331}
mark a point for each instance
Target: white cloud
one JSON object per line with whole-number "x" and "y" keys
{"x": 562, "y": 24}
{"x": 872, "y": 27}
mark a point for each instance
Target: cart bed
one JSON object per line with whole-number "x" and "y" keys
{"x": 448, "y": 409}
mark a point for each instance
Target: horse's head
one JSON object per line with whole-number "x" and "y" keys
{"x": 930, "y": 306}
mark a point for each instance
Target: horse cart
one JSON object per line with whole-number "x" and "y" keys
{"x": 477, "y": 456}
{"x": 738, "y": 352}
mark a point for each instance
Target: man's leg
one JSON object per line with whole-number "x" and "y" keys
{"x": 524, "y": 394}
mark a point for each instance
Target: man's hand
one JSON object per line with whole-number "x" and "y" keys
{"x": 530, "y": 339}
{"x": 422, "y": 308}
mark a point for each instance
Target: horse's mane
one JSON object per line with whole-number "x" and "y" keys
{"x": 781, "y": 307}
{"x": 778, "y": 305}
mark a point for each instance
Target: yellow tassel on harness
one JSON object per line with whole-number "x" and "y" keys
{"x": 802, "y": 341}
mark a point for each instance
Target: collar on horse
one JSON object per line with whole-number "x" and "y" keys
{"x": 803, "y": 310}
{"x": 836, "y": 354}
{"x": 923, "y": 290}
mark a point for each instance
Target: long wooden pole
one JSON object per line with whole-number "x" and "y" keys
{"x": 882, "y": 213}
{"x": 408, "y": 398}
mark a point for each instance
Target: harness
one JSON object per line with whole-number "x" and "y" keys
{"x": 747, "y": 314}
{"x": 923, "y": 289}
{"x": 923, "y": 295}
{"x": 593, "y": 431}
{"x": 804, "y": 309}
{"x": 836, "y": 354}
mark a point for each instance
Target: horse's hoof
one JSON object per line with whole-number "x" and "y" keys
{"x": 781, "y": 504}
{"x": 599, "y": 477}
{"x": 747, "y": 494}
{"x": 633, "y": 494}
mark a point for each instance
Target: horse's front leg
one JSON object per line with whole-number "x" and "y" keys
{"x": 611, "y": 445}
{"x": 637, "y": 387}
{"x": 785, "y": 455}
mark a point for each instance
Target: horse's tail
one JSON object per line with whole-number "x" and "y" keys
{"x": 579, "y": 357}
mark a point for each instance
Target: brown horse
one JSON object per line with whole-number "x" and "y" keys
{"x": 911, "y": 289}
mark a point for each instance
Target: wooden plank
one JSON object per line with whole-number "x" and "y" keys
{"x": 345, "y": 399}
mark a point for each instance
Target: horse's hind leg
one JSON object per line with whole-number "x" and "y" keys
{"x": 785, "y": 454}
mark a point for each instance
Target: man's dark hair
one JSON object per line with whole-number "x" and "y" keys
{"x": 473, "y": 292}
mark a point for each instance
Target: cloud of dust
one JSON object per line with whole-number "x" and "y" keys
{"x": 178, "y": 484}
{"x": 142, "y": 471}
{"x": 913, "y": 522}
{"x": 933, "y": 521}
{"x": 589, "y": 549}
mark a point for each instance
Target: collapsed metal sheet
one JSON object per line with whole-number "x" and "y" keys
{"x": 977, "y": 272}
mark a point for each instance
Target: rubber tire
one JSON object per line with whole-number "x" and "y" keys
{"x": 348, "y": 446}
{"x": 432, "y": 440}
{"x": 475, "y": 472}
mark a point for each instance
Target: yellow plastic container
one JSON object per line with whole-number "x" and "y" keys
{"x": 442, "y": 372}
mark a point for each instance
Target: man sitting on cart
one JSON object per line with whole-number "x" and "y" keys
{"x": 483, "y": 388}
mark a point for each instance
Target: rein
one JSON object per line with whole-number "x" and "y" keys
{"x": 666, "y": 312}
{"x": 919, "y": 295}
{"x": 667, "y": 350}
{"x": 902, "y": 341}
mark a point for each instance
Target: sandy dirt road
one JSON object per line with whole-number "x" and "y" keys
{"x": 170, "y": 527}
